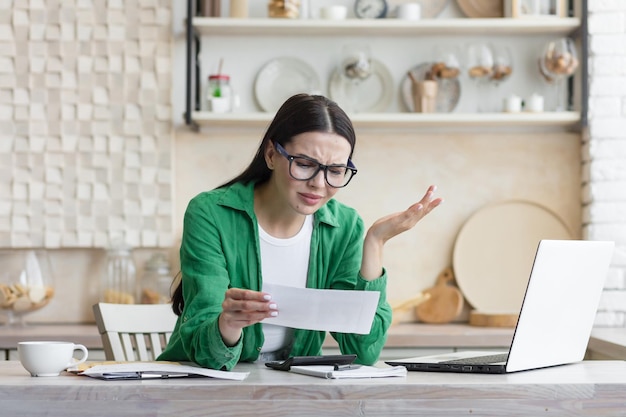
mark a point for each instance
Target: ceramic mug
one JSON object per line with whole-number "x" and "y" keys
{"x": 513, "y": 104}
{"x": 535, "y": 103}
{"x": 336, "y": 12}
{"x": 46, "y": 358}
{"x": 409, "y": 11}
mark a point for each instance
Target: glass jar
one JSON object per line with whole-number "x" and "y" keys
{"x": 219, "y": 93}
{"x": 119, "y": 283}
{"x": 156, "y": 280}
{"x": 288, "y": 9}
{"x": 26, "y": 283}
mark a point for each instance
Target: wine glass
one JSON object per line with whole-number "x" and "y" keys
{"x": 480, "y": 65}
{"x": 355, "y": 66}
{"x": 502, "y": 66}
{"x": 447, "y": 64}
{"x": 558, "y": 62}
{"x": 26, "y": 283}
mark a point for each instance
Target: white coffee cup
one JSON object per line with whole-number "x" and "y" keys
{"x": 44, "y": 358}
{"x": 334, "y": 12}
{"x": 535, "y": 103}
{"x": 513, "y": 104}
{"x": 409, "y": 11}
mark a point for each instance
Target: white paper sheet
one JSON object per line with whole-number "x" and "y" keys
{"x": 330, "y": 310}
{"x": 140, "y": 370}
{"x": 328, "y": 372}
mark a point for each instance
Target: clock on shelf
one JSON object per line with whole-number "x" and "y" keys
{"x": 370, "y": 9}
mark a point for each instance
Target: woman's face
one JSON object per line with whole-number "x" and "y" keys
{"x": 306, "y": 197}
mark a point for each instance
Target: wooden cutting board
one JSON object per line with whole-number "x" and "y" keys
{"x": 445, "y": 302}
{"x": 481, "y": 319}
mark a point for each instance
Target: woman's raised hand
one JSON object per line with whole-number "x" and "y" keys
{"x": 389, "y": 226}
{"x": 393, "y": 224}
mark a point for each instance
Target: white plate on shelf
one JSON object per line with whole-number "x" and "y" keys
{"x": 448, "y": 94}
{"x": 373, "y": 95}
{"x": 280, "y": 79}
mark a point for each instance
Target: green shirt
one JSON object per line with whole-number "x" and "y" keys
{"x": 220, "y": 249}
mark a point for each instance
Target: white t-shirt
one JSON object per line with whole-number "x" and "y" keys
{"x": 284, "y": 262}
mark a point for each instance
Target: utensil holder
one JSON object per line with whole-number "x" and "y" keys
{"x": 425, "y": 96}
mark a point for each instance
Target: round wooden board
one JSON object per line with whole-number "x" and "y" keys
{"x": 494, "y": 252}
{"x": 480, "y": 319}
{"x": 481, "y": 8}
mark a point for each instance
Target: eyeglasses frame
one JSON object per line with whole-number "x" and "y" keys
{"x": 321, "y": 167}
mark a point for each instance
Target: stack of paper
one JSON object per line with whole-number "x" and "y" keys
{"x": 144, "y": 370}
{"x": 329, "y": 372}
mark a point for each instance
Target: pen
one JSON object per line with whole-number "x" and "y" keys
{"x": 346, "y": 367}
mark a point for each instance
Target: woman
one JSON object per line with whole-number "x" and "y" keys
{"x": 277, "y": 222}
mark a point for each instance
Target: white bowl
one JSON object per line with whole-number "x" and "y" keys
{"x": 336, "y": 12}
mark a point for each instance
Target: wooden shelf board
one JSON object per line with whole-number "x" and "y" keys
{"x": 404, "y": 120}
{"x": 383, "y": 27}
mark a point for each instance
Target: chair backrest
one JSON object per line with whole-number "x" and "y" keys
{"x": 132, "y": 332}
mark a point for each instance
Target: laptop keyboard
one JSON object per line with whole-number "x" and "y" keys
{"x": 481, "y": 360}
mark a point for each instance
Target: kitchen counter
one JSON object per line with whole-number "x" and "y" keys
{"x": 412, "y": 335}
{"x": 85, "y": 334}
{"x": 589, "y": 388}
{"x": 402, "y": 335}
{"x": 610, "y": 342}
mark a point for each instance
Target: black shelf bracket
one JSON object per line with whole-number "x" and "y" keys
{"x": 191, "y": 65}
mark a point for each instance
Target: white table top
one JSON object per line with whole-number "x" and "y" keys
{"x": 590, "y": 388}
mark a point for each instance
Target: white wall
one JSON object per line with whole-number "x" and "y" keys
{"x": 604, "y": 153}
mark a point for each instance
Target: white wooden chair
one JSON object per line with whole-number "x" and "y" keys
{"x": 132, "y": 332}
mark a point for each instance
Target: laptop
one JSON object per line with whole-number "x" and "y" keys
{"x": 556, "y": 317}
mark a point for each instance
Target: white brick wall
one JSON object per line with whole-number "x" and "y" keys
{"x": 604, "y": 154}
{"x": 85, "y": 123}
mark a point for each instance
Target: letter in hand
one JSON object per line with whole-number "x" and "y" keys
{"x": 242, "y": 308}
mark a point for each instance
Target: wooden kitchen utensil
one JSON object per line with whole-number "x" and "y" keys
{"x": 424, "y": 94}
{"x": 481, "y": 319}
{"x": 445, "y": 302}
{"x": 403, "y": 306}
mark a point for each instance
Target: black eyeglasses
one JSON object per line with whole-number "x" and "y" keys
{"x": 302, "y": 168}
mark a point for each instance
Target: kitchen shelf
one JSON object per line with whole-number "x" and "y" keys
{"x": 562, "y": 120}
{"x": 199, "y": 27}
{"x": 383, "y": 27}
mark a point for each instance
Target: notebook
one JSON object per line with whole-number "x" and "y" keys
{"x": 556, "y": 317}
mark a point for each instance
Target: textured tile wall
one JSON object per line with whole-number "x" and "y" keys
{"x": 85, "y": 123}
